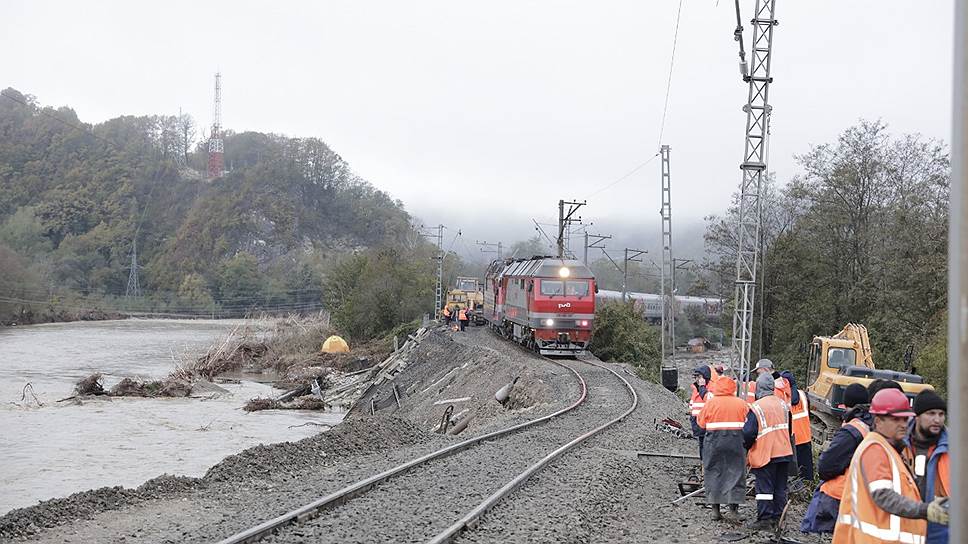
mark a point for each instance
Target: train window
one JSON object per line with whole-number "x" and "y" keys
{"x": 576, "y": 288}
{"x": 841, "y": 357}
{"x": 552, "y": 287}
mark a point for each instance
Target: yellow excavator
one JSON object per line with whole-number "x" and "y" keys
{"x": 468, "y": 294}
{"x": 838, "y": 361}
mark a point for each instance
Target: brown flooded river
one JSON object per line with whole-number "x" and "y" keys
{"x": 60, "y": 448}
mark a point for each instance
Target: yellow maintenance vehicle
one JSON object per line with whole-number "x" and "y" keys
{"x": 468, "y": 293}
{"x": 838, "y": 361}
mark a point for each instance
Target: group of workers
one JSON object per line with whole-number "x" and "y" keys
{"x": 884, "y": 476}
{"x": 461, "y": 315}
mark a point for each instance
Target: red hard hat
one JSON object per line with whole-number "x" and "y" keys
{"x": 891, "y": 402}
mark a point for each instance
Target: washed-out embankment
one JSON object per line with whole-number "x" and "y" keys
{"x": 601, "y": 492}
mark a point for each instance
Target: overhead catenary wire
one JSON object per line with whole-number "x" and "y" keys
{"x": 672, "y": 64}
{"x": 623, "y": 177}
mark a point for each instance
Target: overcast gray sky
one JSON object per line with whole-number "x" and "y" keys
{"x": 482, "y": 115}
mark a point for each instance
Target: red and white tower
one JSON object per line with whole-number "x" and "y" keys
{"x": 216, "y": 160}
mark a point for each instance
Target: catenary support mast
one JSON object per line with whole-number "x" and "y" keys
{"x": 667, "y": 271}
{"x": 753, "y": 168}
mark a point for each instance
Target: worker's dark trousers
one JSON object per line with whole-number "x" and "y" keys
{"x": 771, "y": 489}
{"x": 805, "y": 460}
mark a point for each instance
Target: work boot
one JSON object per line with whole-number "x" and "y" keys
{"x": 717, "y": 514}
{"x": 762, "y": 525}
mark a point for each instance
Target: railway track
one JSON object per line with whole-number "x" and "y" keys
{"x": 430, "y": 491}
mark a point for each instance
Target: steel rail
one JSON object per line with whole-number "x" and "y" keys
{"x": 471, "y": 518}
{"x": 352, "y": 491}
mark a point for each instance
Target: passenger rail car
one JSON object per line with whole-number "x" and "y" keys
{"x": 544, "y": 303}
{"x": 650, "y": 305}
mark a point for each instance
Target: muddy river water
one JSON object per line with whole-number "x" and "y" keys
{"x": 59, "y": 448}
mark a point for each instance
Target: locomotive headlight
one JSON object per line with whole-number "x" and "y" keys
{"x": 564, "y": 272}
{"x": 549, "y": 322}
{"x": 584, "y": 322}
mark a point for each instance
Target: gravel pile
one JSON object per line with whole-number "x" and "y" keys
{"x": 464, "y": 370}
{"x": 27, "y": 521}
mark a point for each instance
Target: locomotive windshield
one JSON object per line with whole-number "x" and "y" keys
{"x": 572, "y": 288}
{"x": 551, "y": 288}
{"x": 576, "y": 288}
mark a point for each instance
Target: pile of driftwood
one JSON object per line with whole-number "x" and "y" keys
{"x": 341, "y": 390}
{"x": 358, "y": 384}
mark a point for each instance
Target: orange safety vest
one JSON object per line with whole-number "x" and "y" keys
{"x": 773, "y": 439}
{"x": 835, "y": 487}
{"x": 462, "y": 315}
{"x": 446, "y": 312}
{"x": 801, "y": 420}
{"x": 724, "y": 411}
{"x": 942, "y": 488}
{"x": 860, "y": 521}
{"x": 751, "y": 392}
{"x": 696, "y": 402}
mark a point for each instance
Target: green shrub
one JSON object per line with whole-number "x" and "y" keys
{"x": 621, "y": 335}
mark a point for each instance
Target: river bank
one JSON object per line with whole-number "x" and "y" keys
{"x": 53, "y": 449}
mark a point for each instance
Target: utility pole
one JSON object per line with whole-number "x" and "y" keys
{"x": 566, "y": 218}
{"x": 630, "y": 255}
{"x": 439, "y": 296}
{"x": 667, "y": 272}
{"x": 596, "y": 239}
{"x": 487, "y": 247}
{"x": 958, "y": 277}
{"x": 754, "y": 166}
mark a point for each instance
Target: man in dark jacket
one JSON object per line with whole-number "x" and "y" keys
{"x": 832, "y": 467}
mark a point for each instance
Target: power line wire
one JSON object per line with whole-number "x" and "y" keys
{"x": 672, "y": 63}
{"x": 623, "y": 177}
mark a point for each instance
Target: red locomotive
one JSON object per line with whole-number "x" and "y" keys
{"x": 544, "y": 303}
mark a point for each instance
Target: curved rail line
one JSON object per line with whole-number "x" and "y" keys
{"x": 352, "y": 491}
{"x": 471, "y": 518}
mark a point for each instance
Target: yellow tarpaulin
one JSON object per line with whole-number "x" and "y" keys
{"x": 335, "y": 344}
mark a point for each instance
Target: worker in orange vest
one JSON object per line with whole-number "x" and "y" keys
{"x": 699, "y": 393}
{"x": 447, "y": 316}
{"x": 832, "y": 467}
{"x": 881, "y": 501}
{"x": 462, "y": 318}
{"x": 927, "y": 453}
{"x": 803, "y": 436}
{"x": 766, "y": 434}
{"x": 723, "y": 458}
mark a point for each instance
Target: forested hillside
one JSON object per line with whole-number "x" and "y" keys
{"x": 75, "y": 198}
{"x": 860, "y": 236}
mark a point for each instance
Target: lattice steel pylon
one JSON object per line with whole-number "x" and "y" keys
{"x": 216, "y": 148}
{"x": 753, "y": 167}
{"x": 666, "y": 272}
{"x": 133, "y": 288}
